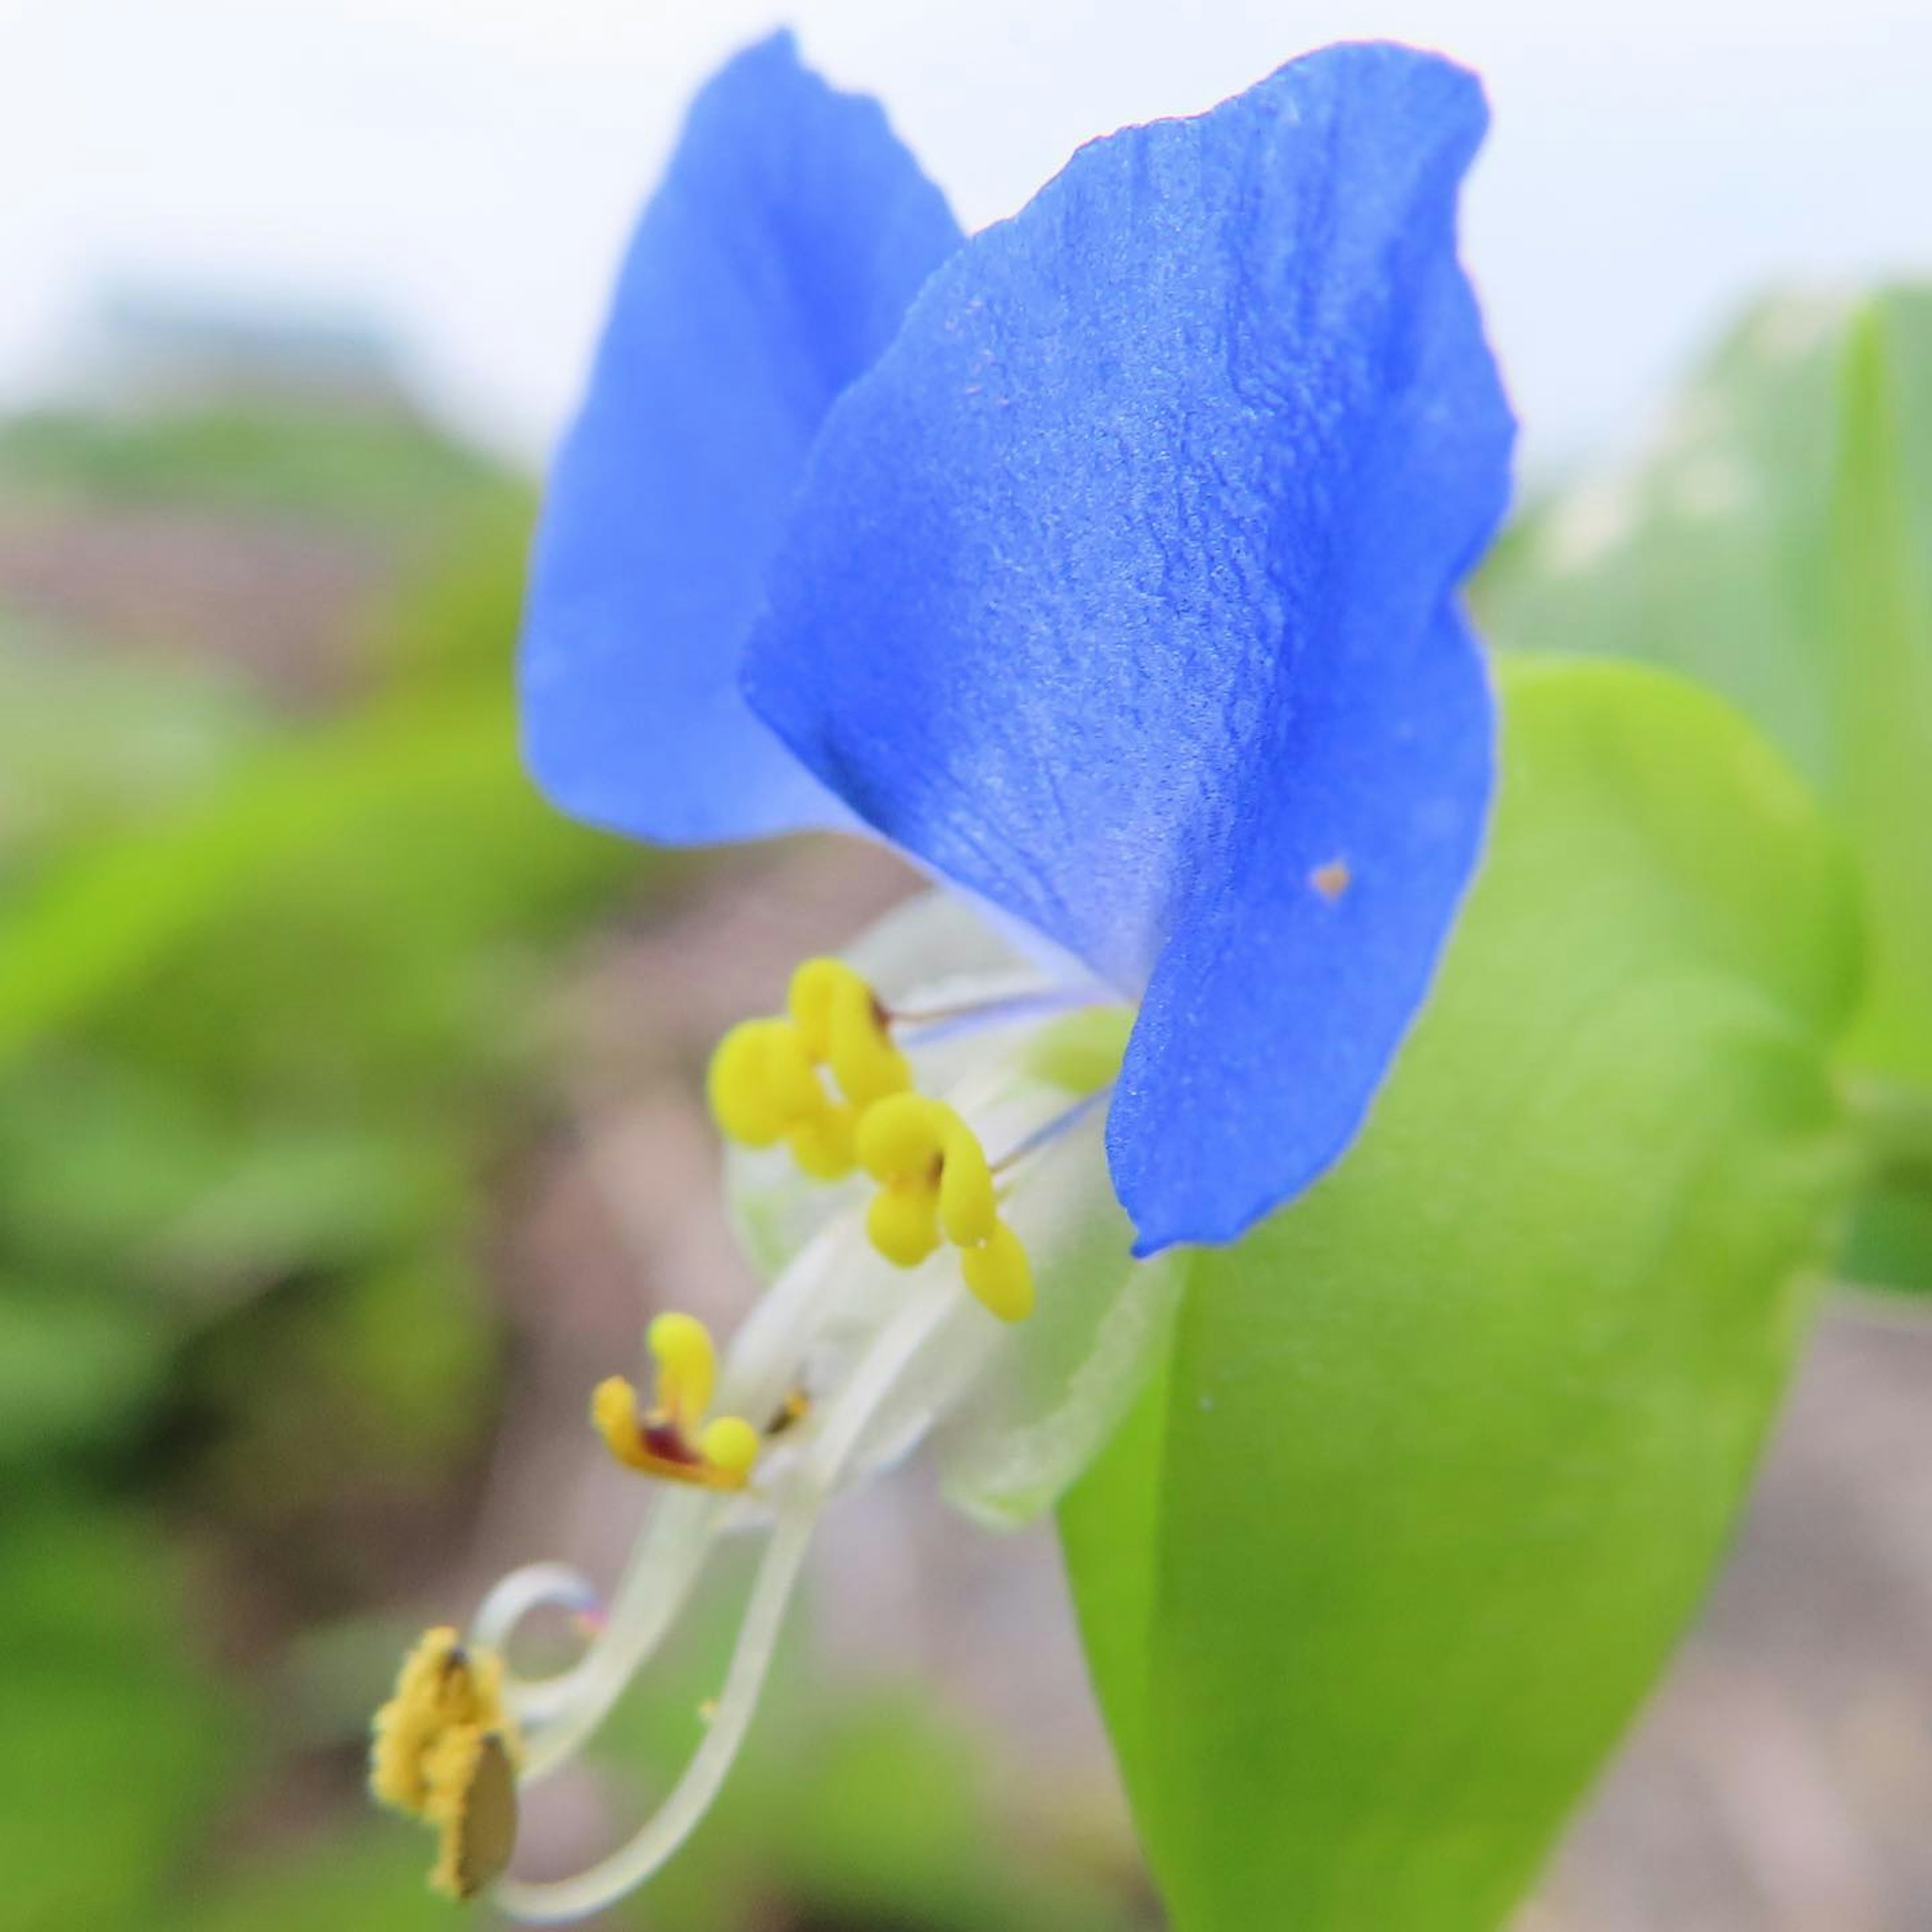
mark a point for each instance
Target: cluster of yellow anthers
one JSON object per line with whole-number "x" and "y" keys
{"x": 446, "y": 1751}
{"x": 765, "y": 1085}
{"x": 672, "y": 1438}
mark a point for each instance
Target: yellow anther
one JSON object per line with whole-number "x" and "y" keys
{"x": 823, "y": 1145}
{"x": 745, "y": 1103}
{"x": 817, "y": 985}
{"x": 967, "y": 1208}
{"x": 687, "y": 1367}
{"x": 674, "y": 1440}
{"x": 935, "y": 1177}
{"x": 731, "y": 1444}
{"x": 902, "y": 1222}
{"x": 613, "y": 1415}
{"x": 865, "y": 1062}
{"x": 760, "y": 1081}
{"x": 903, "y": 1137}
{"x": 999, "y": 1273}
{"x": 764, "y": 1085}
{"x": 843, "y": 1026}
{"x": 446, "y": 1750}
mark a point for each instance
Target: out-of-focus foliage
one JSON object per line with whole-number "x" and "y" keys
{"x": 1774, "y": 540}
{"x": 271, "y": 983}
{"x": 265, "y": 993}
{"x": 1447, "y": 1450}
{"x": 262, "y": 994}
{"x": 370, "y": 466}
{"x": 117, "y": 1745}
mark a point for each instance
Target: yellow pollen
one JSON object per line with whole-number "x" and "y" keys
{"x": 446, "y": 1750}
{"x": 674, "y": 1440}
{"x": 764, "y": 1083}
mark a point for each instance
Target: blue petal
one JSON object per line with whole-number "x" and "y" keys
{"x": 772, "y": 265}
{"x": 1275, "y": 1010}
{"x": 1120, "y": 592}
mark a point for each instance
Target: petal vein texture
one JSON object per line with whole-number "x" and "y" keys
{"x": 1121, "y": 591}
{"x": 771, "y": 267}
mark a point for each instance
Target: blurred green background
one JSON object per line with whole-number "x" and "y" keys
{"x": 287, "y": 933}
{"x": 349, "y": 1133}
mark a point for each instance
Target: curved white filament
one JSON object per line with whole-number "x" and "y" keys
{"x": 844, "y": 1425}
{"x": 562, "y": 1711}
{"x": 537, "y": 1586}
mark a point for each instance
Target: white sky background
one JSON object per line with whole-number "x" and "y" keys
{"x": 466, "y": 169}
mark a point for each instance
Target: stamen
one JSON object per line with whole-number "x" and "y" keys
{"x": 665, "y": 1563}
{"x": 845, "y": 1426}
{"x": 1032, "y": 1001}
{"x": 446, "y": 1750}
{"x": 1045, "y": 1135}
{"x": 687, "y": 1367}
{"x": 564, "y": 1709}
{"x": 934, "y": 1176}
{"x": 764, "y": 1083}
{"x": 654, "y": 1445}
{"x": 673, "y": 1440}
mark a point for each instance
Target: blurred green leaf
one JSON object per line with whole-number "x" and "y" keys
{"x": 436, "y": 781}
{"x": 379, "y": 467}
{"x": 365, "y": 1880}
{"x": 88, "y": 741}
{"x": 326, "y": 1389}
{"x": 103, "y": 1164}
{"x": 266, "y": 1001}
{"x": 1775, "y": 542}
{"x": 1446, "y": 1450}
{"x": 115, "y": 1747}
{"x": 75, "y": 1368}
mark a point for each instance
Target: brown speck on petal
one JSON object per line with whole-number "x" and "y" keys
{"x": 1330, "y": 880}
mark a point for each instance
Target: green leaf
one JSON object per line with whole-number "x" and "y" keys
{"x": 74, "y": 1369}
{"x": 1775, "y": 542}
{"x": 88, "y": 740}
{"x": 368, "y": 1878}
{"x": 1445, "y": 1452}
{"x": 116, "y": 1748}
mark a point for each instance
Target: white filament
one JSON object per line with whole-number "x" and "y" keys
{"x": 562, "y": 1711}
{"x": 843, "y": 1427}
{"x": 537, "y": 1586}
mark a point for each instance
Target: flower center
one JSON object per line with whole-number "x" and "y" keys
{"x": 849, "y": 1360}
{"x": 765, "y": 1085}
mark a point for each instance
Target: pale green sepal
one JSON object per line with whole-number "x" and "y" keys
{"x": 1386, "y": 1556}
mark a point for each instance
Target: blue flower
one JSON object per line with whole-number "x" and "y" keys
{"x": 1106, "y": 563}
